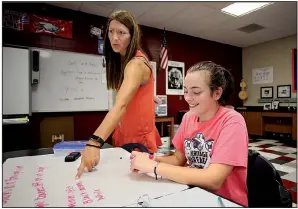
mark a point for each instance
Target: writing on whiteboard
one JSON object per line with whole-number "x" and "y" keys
{"x": 74, "y": 91}
{"x": 83, "y": 193}
{"x": 71, "y": 196}
{"x": 98, "y": 195}
{"x": 10, "y": 183}
{"x": 39, "y": 201}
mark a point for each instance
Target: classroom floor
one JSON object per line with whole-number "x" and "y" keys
{"x": 281, "y": 154}
{"x": 283, "y": 157}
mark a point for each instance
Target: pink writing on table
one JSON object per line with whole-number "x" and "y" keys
{"x": 98, "y": 195}
{"x": 41, "y": 192}
{"x": 71, "y": 196}
{"x": 10, "y": 183}
{"x": 83, "y": 193}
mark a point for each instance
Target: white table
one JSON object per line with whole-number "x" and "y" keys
{"x": 194, "y": 197}
{"x": 48, "y": 181}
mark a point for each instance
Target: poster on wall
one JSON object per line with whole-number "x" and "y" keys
{"x": 262, "y": 75}
{"x": 162, "y": 107}
{"x": 51, "y": 26}
{"x": 15, "y": 20}
{"x": 153, "y": 64}
{"x": 175, "y": 78}
{"x": 294, "y": 70}
{"x": 100, "y": 46}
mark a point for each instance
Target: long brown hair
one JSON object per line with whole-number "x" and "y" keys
{"x": 114, "y": 67}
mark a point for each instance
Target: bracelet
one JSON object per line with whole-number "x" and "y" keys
{"x": 155, "y": 167}
{"x": 91, "y": 145}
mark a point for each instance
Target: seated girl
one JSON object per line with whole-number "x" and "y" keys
{"x": 212, "y": 140}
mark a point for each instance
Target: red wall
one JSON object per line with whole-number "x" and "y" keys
{"x": 181, "y": 48}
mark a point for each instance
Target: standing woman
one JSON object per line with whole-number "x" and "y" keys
{"x": 130, "y": 74}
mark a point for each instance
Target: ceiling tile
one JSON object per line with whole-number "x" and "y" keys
{"x": 195, "y": 12}
{"x": 162, "y": 11}
{"x": 68, "y": 5}
{"x": 95, "y": 9}
{"x": 136, "y": 8}
{"x": 267, "y": 35}
{"x": 109, "y": 4}
{"x": 217, "y": 5}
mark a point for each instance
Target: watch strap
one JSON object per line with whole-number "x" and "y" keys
{"x": 98, "y": 139}
{"x": 91, "y": 145}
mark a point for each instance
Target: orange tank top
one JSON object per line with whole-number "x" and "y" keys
{"x": 138, "y": 123}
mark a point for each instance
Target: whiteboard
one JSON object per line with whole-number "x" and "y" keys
{"x": 16, "y": 81}
{"x": 49, "y": 181}
{"x": 189, "y": 198}
{"x": 70, "y": 82}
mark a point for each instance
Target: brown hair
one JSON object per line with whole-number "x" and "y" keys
{"x": 114, "y": 65}
{"x": 219, "y": 77}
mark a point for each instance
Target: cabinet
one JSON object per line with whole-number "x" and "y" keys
{"x": 254, "y": 122}
{"x": 294, "y": 128}
{"x": 260, "y": 123}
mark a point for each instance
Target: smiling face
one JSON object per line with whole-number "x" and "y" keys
{"x": 119, "y": 37}
{"x": 197, "y": 93}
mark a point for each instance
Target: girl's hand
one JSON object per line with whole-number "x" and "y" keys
{"x": 142, "y": 162}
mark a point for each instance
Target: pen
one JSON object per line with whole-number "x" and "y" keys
{"x": 221, "y": 202}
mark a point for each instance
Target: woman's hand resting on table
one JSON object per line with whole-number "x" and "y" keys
{"x": 90, "y": 158}
{"x": 141, "y": 162}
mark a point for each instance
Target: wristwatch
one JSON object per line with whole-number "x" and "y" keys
{"x": 97, "y": 139}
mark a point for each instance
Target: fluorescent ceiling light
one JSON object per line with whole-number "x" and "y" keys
{"x": 242, "y": 8}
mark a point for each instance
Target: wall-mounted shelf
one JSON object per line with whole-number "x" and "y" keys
{"x": 281, "y": 100}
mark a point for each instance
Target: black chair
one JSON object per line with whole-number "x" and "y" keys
{"x": 265, "y": 187}
{"x": 133, "y": 146}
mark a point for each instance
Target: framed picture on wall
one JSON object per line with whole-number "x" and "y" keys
{"x": 294, "y": 70}
{"x": 284, "y": 91}
{"x": 267, "y": 106}
{"x": 267, "y": 92}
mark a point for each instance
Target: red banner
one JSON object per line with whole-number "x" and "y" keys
{"x": 47, "y": 25}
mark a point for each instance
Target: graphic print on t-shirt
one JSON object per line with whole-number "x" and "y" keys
{"x": 198, "y": 150}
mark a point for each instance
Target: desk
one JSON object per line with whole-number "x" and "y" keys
{"x": 194, "y": 197}
{"x": 49, "y": 181}
{"x": 166, "y": 119}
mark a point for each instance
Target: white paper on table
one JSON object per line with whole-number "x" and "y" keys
{"x": 112, "y": 184}
{"x": 195, "y": 197}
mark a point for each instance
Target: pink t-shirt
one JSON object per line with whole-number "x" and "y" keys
{"x": 222, "y": 139}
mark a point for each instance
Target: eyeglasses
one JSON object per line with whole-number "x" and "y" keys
{"x": 119, "y": 33}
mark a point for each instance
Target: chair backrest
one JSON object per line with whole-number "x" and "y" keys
{"x": 134, "y": 146}
{"x": 265, "y": 187}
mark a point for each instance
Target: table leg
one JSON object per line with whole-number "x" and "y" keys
{"x": 161, "y": 129}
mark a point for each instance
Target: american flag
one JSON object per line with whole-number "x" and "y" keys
{"x": 164, "y": 52}
{"x": 22, "y": 19}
